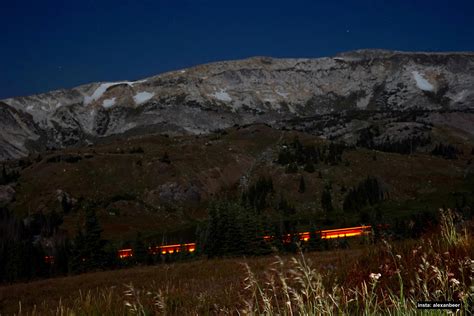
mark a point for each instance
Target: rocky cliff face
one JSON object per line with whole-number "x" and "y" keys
{"x": 351, "y": 90}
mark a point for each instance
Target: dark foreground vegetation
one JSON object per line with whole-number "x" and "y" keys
{"x": 386, "y": 277}
{"x": 36, "y": 247}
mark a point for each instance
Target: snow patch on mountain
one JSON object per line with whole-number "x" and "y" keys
{"x": 362, "y": 103}
{"x": 282, "y": 94}
{"x": 421, "y": 82}
{"x": 99, "y": 92}
{"x": 108, "y": 103}
{"x": 270, "y": 100}
{"x": 142, "y": 97}
{"x": 461, "y": 96}
{"x": 221, "y": 95}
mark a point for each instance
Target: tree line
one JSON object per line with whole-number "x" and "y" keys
{"x": 367, "y": 192}
{"x": 234, "y": 227}
{"x": 446, "y": 151}
{"x": 295, "y": 155}
{"x": 404, "y": 146}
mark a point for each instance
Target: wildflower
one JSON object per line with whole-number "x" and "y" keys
{"x": 375, "y": 276}
{"x": 398, "y": 256}
{"x": 454, "y": 281}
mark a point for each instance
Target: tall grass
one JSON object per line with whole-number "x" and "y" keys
{"x": 387, "y": 279}
{"x": 393, "y": 280}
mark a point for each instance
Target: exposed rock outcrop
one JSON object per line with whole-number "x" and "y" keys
{"x": 218, "y": 95}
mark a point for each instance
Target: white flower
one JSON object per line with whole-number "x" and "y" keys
{"x": 454, "y": 281}
{"x": 375, "y": 276}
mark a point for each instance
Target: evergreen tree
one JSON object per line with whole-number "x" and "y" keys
{"x": 78, "y": 253}
{"x": 88, "y": 250}
{"x": 302, "y": 185}
{"x": 233, "y": 229}
{"x": 326, "y": 200}
{"x": 140, "y": 253}
{"x": 315, "y": 241}
{"x": 446, "y": 151}
{"x": 256, "y": 195}
{"x": 284, "y": 156}
{"x": 285, "y": 208}
{"x": 368, "y": 192}
{"x": 223, "y": 232}
{"x": 62, "y": 255}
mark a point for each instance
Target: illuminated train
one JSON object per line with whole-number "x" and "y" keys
{"x": 160, "y": 250}
{"x": 305, "y": 236}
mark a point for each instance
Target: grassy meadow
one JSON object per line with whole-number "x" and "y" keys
{"x": 388, "y": 277}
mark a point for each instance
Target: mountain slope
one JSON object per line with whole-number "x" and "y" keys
{"x": 219, "y": 95}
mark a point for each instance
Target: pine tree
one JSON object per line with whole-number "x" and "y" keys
{"x": 89, "y": 253}
{"x": 302, "y": 186}
{"x": 94, "y": 242}
{"x": 368, "y": 192}
{"x": 78, "y": 256}
{"x": 326, "y": 200}
{"x": 284, "y": 156}
{"x": 315, "y": 242}
{"x": 62, "y": 255}
{"x": 256, "y": 196}
{"x": 211, "y": 244}
{"x": 285, "y": 208}
{"x": 140, "y": 253}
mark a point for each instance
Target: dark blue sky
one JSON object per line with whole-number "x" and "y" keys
{"x": 48, "y": 44}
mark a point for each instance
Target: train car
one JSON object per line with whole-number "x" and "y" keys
{"x": 346, "y": 232}
{"x": 171, "y": 249}
{"x": 304, "y": 237}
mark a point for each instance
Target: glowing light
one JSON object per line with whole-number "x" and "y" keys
{"x": 304, "y": 236}
{"x": 49, "y": 259}
{"x": 125, "y": 253}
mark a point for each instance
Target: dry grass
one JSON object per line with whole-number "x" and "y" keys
{"x": 201, "y": 286}
{"x": 388, "y": 278}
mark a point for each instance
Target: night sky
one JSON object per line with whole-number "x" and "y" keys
{"x": 46, "y": 45}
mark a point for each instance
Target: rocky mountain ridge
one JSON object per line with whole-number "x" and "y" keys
{"x": 334, "y": 97}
